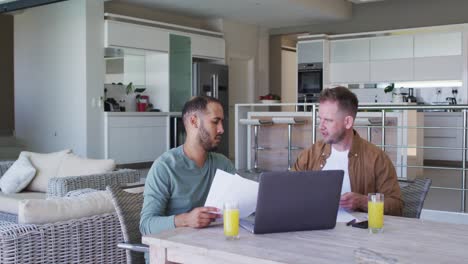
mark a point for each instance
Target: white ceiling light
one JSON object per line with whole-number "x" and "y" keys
{"x": 363, "y": 1}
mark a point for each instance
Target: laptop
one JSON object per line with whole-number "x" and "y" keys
{"x": 296, "y": 201}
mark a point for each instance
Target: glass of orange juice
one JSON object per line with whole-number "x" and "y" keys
{"x": 231, "y": 220}
{"x": 375, "y": 212}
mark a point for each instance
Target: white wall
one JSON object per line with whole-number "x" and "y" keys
{"x": 157, "y": 79}
{"x": 247, "y": 58}
{"x": 53, "y": 85}
{"x": 95, "y": 73}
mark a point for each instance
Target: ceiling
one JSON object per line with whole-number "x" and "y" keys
{"x": 265, "y": 13}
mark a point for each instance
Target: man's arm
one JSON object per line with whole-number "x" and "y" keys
{"x": 386, "y": 182}
{"x": 157, "y": 194}
{"x": 156, "y": 197}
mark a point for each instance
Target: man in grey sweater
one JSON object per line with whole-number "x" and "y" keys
{"x": 179, "y": 180}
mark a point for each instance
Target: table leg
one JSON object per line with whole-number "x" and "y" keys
{"x": 158, "y": 255}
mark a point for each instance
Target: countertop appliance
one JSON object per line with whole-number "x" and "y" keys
{"x": 211, "y": 80}
{"x": 310, "y": 82}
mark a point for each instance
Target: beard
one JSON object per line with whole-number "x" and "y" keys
{"x": 205, "y": 140}
{"x": 340, "y": 135}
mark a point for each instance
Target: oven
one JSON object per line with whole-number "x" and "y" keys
{"x": 310, "y": 83}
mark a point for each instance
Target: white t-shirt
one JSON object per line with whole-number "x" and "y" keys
{"x": 338, "y": 160}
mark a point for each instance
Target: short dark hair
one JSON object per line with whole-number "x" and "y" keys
{"x": 347, "y": 100}
{"x": 197, "y": 104}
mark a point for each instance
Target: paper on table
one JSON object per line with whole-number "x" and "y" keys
{"x": 228, "y": 187}
{"x": 343, "y": 216}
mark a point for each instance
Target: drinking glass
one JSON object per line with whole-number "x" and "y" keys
{"x": 231, "y": 220}
{"x": 375, "y": 212}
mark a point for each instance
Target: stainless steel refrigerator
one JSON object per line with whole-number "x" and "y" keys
{"x": 211, "y": 80}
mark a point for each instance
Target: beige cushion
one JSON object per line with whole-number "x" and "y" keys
{"x": 18, "y": 176}
{"x": 62, "y": 209}
{"x": 46, "y": 165}
{"x": 73, "y": 165}
{"x": 9, "y": 202}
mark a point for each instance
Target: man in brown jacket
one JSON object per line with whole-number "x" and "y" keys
{"x": 367, "y": 168}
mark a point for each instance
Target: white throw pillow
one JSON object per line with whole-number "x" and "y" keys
{"x": 18, "y": 176}
{"x": 73, "y": 165}
{"x": 47, "y": 165}
{"x": 37, "y": 211}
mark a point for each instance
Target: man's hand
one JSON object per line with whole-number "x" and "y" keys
{"x": 353, "y": 201}
{"x": 198, "y": 217}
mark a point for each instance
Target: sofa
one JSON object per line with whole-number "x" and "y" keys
{"x": 58, "y": 173}
{"x": 78, "y": 229}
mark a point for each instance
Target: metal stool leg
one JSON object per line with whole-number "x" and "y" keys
{"x": 255, "y": 169}
{"x": 289, "y": 145}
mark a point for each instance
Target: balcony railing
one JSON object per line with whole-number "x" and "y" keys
{"x": 382, "y": 112}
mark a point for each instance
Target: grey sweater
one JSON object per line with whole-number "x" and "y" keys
{"x": 175, "y": 185}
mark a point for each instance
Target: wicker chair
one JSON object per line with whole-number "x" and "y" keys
{"x": 60, "y": 186}
{"x": 86, "y": 240}
{"x": 413, "y": 194}
{"x": 128, "y": 207}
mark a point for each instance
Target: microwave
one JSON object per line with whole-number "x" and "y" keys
{"x": 310, "y": 78}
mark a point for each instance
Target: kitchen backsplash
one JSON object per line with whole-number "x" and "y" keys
{"x": 426, "y": 95}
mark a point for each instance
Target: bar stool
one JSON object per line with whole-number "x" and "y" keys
{"x": 290, "y": 121}
{"x": 255, "y": 123}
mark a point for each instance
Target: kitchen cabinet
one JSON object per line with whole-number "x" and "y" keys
{"x": 419, "y": 57}
{"x": 391, "y": 58}
{"x": 350, "y": 72}
{"x": 135, "y": 137}
{"x": 443, "y": 137}
{"x": 207, "y": 47}
{"x": 438, "y": 56}
{"x": 391, "y": 70}
{"x": 438, "y": 44}
{"x": 180, "y": 72}
{"x": 310, "y": 51}
{"x": 438, "y": 68}
{"x": 350, "y": 50}
{"x": 349, "y": 61}
{"x": 122, "y": 34}
{"x": 391, "y": 47}
{"x": 137, "y": 36}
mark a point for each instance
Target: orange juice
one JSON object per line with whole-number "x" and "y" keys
{"x": 375, "y": 214}
{"x": 231, "y": 223}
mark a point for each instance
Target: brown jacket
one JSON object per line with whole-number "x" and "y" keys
{"x": 370, "y": 170}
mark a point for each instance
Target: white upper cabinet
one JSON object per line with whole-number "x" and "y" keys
{"x": 135, "y": 36}
{"x": 438, "y": 44}
{"x": 391, "y": 70}
{"x": 350, "y": 50}
{"x": 207, "y": 47}
{"x": 349, "y": 72}
{"x": 310, "y": 52}
{"x": 438, "y": 68}
{"x": 391, "y": 47}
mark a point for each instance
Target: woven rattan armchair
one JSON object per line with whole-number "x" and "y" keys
{"x": 87, "y": 240}
{"x": 128, "y": 207}
{"x": 413, "y": 194}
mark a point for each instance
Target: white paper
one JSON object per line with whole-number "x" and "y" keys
{"x": 344, "y": 216}
{"x": 228, "y": 187}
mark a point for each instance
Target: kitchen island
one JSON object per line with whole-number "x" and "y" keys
{"x": 394, "y": 135}
{"x": 134, "y": 137}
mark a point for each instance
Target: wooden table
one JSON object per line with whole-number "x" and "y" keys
{"x": 407, "y": 240}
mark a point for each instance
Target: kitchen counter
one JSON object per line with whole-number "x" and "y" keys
{"x": 128, "y": 114}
